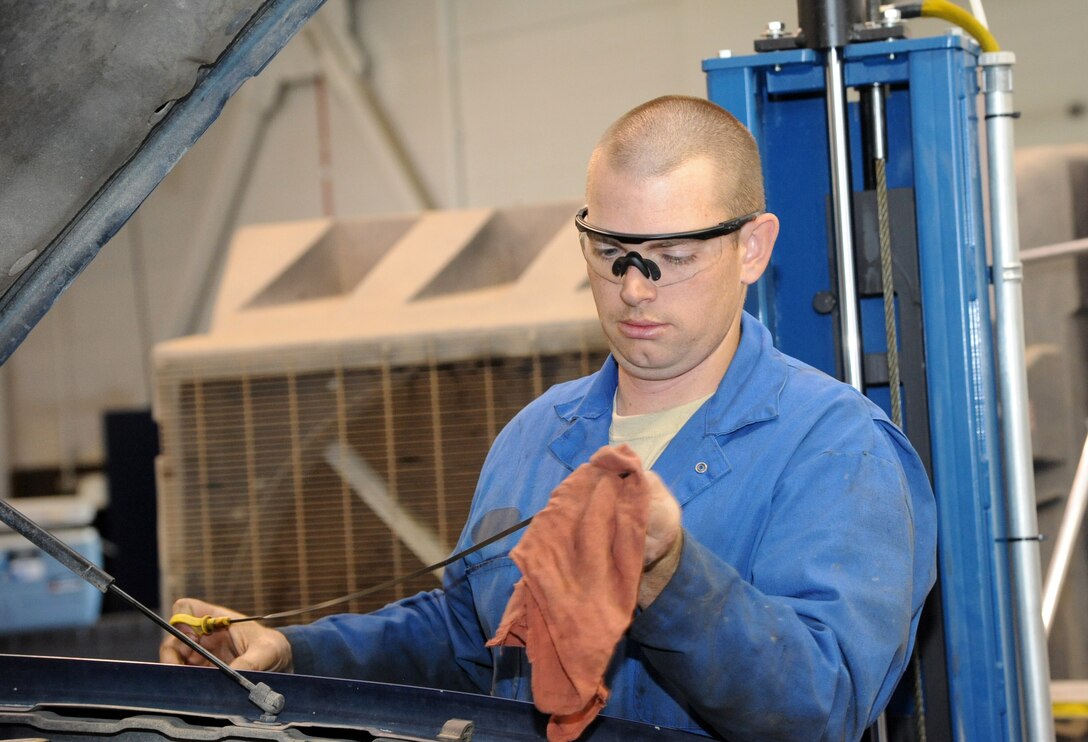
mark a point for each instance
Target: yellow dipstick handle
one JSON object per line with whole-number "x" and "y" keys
{"x": 202, "y": 626}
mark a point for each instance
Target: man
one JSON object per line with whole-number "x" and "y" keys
{"x": 791, "y": 535}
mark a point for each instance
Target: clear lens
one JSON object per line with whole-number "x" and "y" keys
{"x": 678, "y": 260}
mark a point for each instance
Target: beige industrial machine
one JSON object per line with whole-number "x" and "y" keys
{"x": 326, "y": 434}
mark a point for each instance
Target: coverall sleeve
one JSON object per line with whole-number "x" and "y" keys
{"x": 431, "y": 639}
{"x": 808, "y": 644}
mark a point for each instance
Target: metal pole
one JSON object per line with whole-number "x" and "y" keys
{"x": 260, "y": 694}
{"x": 1058, "y": 250}
{"x": 1023, "y": 527}
{"x": 842, "y": 209}
{"x": 1067, "y": 538}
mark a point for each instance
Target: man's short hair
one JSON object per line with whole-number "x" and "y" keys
{"x": 658, "y": 136}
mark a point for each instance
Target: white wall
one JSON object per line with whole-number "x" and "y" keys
{"x": 494, "y": 102}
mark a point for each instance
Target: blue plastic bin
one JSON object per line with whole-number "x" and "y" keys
{"x": 37, "y": 592}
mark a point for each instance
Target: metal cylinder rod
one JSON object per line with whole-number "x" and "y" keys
{"x": 1062, "y": 556}
{"x": 79, "y": 565}
{"x": 260, "y": 694}
{"x": 872, "y": 98}
{"x": 842, "y": 213}
{"x": 874, "y": 128}
{"x": 1023, "y": 524}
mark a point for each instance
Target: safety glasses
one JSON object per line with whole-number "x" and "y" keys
{"x": 666, "y": 258}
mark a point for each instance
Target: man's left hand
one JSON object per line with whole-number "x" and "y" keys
{"x": 664, "y": 539}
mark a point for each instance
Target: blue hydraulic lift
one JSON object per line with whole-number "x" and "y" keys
{"x": 981, "y": 671}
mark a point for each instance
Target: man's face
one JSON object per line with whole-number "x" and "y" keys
{"x": 666, "y": 332}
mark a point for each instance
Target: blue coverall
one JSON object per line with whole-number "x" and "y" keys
{"x": 809, "y": 547}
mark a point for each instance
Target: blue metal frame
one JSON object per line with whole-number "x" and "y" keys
{"x": 933, "y": 145}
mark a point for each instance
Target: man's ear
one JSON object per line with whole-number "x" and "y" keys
{"x": 757, "y": 242}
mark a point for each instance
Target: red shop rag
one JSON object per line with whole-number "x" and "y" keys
{"x": 581, "y": 562}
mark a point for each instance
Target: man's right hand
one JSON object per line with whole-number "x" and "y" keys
{"x": 244, "y": 646}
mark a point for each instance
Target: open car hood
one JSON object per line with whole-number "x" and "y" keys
{"x": 70, "y": 699}
{"x": 99, "y": 99}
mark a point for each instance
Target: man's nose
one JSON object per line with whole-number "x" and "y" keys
{"x": 635, "y": 288}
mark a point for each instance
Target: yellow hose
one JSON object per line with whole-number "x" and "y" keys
{"x": 954, "y": 14}
{"x": 1070, "y": 710}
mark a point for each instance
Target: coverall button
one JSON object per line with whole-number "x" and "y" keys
{"x": 701, "y": 467}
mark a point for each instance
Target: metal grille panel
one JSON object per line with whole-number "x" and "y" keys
{"x": 280, "y": 490}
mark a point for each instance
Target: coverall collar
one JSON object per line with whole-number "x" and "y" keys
{"x": 748, "y": 393}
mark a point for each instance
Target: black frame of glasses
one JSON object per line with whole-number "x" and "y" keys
{"x": 718, "y": 230}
